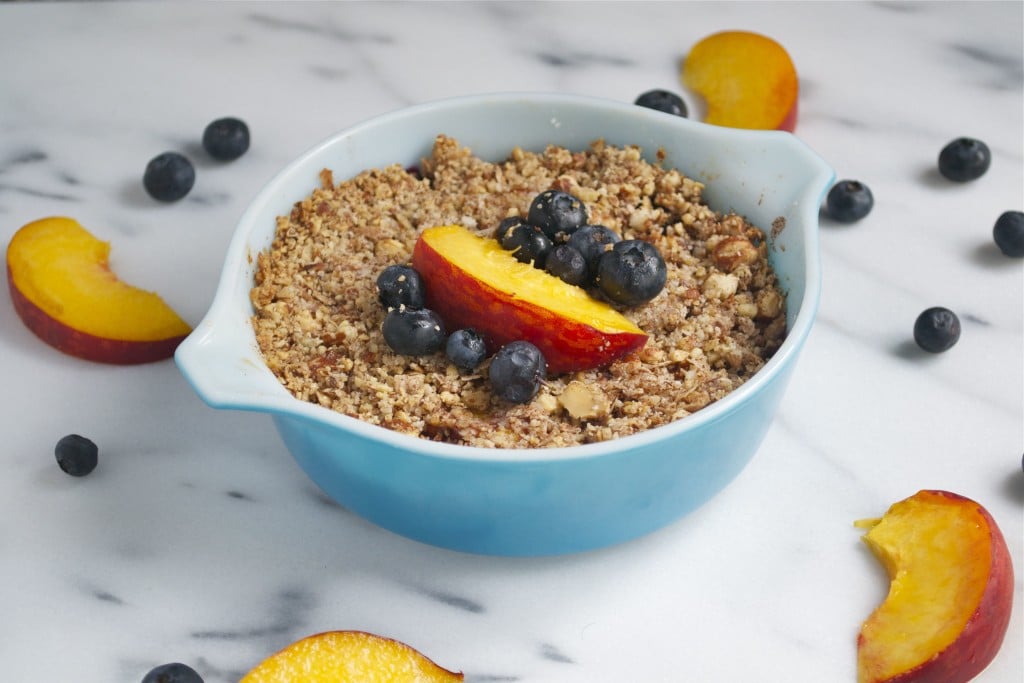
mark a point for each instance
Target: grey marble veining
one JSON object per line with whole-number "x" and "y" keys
{"x": 199, "y": 540}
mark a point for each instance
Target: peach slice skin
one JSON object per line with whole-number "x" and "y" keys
{"x": 950, "y": 597}
{"x": 746, "y": 79}
{"x": 472, "y": 282}
{"x": 62, "y": 288}
{"x": 349, "y": 657}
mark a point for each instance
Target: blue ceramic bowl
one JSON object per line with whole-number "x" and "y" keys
{"x": 540, "y": 501}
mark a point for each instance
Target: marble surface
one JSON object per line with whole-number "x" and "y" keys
{"x": 199, "y": 540}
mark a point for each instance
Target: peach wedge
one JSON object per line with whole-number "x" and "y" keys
{"x": 950, "y": 593}
{"x": 349, "y": 657}
{"x": 472, "y": 282}
{"x": 747, "y": 80}
{"x": 64, "y": 291}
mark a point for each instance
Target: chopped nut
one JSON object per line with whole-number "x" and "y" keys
{"x": 719, "y": 286}
{"x": 732, "y": 252}
{"x": 748, "y": 309}
{"x": 769, "y": 303}
{"x": 547, "y": 403}
{"x": 584, "y": 402}
{"x": 391, "y": 249}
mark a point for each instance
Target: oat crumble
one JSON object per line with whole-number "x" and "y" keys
{"x": 317, "y": 318}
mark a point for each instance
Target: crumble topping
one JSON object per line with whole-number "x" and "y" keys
{"x": 317, "y": 317}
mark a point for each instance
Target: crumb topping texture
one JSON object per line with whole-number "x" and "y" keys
{"x": 317, "y": 316}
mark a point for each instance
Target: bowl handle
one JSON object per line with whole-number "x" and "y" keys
{"x": 225, "y": 369}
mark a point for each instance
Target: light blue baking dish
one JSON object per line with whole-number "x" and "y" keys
{"x": 530, "y": 501}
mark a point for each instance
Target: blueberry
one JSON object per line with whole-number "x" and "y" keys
{"x": 173, "y": 673}
{"x": 849, "y": 201}
{"x": 507, "y": 224}
{"x": 964, "y": 159}
{"x": 528, "y": 243}
{"x": 567, "y": 264}
{"x": 632, "y": 273}
{"x": 169, "y": 177}
{"x": 76, "y": 455}
{"x": 413, "y": 332}
{"x": 399, "y": 286}
{"x": 1008, "y": 233}
{"x": 516, "y": 371}
{"x": 937, "y": 329}
{"x": 466, "y": 349}
{"x": 592, "y": 241}
{"x": 226, "y": 139}
{"x": 557, "y": 213}
{"x": 663, "y": 100}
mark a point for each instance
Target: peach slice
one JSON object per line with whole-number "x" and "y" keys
{"x": 349, "y": 657}
{"x": 950, "y": 595}
{"x": 747, "y": 80}
{"x": 62, "y": 287}
{"x": 472, "y": 282}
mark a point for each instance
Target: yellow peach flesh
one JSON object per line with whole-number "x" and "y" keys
{"x": 348, "y": 657}
{"x": 64, "y": 271}
{"x": 939, "y": 562}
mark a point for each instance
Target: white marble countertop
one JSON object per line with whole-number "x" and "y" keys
{"x": 199, "y": 540}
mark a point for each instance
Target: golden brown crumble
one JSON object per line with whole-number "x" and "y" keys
{"x": 317, "y": 317}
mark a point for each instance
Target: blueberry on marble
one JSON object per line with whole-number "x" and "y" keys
{"x": 528, "y": 243}
{"x": 413, "y": 332}
{"x": 849, "y": 201}
{"x": 174, "y": 672}
{"x": 631, "y": 273}
{"x": 964, "y": 159}
{"x": 169, "y": 177}
{"x": 226, "y": 139}
{"x": 76, "y": 455}
{"x": 937, "y": 329}
{"x": 557, "y": 213}
{"x": 567, "y": 264}
{"x": 466, "y": 349}
{"x": 592, "y": 241}
{"x": 663, "y": 100}
{"x": 517, "y": 371}
{"x": 1008, "y": 233}
{"x": 399, "y": 286}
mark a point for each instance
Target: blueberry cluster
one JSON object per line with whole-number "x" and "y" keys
{"x": 557, "y": 237}
{"x": 170, "y": 176}
{"x": 409, "y": 327}
{"x": 516, "y": 370}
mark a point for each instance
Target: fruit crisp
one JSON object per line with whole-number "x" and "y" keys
{"x": 317, "y": 315}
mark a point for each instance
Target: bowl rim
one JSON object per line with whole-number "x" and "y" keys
{"x": 279, "y": 402}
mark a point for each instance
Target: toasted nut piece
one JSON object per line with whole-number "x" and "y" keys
{"x": 733, "y": 252}
{"x": 547, "y": 402}
{"x": 720, "y": 286}
{"x": 391, "y": 249}
{"x": 769, "y": 303}
{"x": 748, "y": 309}
{"x": 584, "y": 402}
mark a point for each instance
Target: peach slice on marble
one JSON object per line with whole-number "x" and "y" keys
{"x": 472, "y": 282}
{"x": 747, "y": 80}
{"x": 349, "y": 657}
{"x": 950, "y": 593}
{"x": 64, "y": 291}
